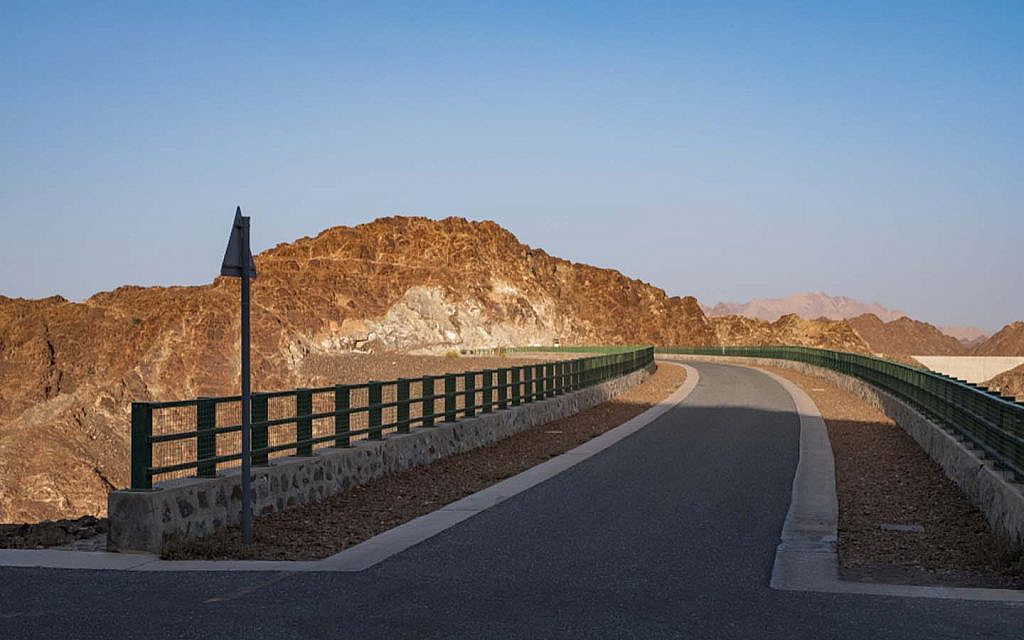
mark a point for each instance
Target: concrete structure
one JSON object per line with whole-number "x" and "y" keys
{"x": 193, "y": 507}
{"x": 976, "y": 369}
{"x": 994, "y": 493}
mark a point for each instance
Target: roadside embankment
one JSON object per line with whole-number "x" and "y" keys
{"x": 901, "y": 520}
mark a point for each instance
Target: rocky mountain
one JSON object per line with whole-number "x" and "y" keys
{"x": 1009, "y": 383}
{"x": 1008, "y": 341}
{"x": 904, "y": 336}
{"x": 969, "y": 336}
{"x": 69, "y": 371}
{"x": 806, "y": 305}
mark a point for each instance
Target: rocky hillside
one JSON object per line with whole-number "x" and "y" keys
{"x": 1009, "y": 383}
{"x": 806, "y": 305}
{"x": 69, "y": 371}
{"x": 904, "y": 336}
{"x": 788, "y": 330}
{"x": 1008, "y": 341}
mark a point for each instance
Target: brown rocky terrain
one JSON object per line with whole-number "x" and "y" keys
{"x": 1008, "y": 341}
{"x": 69, "y": 371}
{"x": 905, "y": 336}
{"x": 788, "y": 330}
{"x": 1009, "y": 383}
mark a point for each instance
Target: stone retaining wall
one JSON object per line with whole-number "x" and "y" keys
{"x": 193, "y": 507}
{"x": 994, "y": 493}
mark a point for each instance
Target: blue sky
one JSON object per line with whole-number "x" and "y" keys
{"x": 723, "y": 150}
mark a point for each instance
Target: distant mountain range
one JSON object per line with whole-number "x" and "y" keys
{"x": 969, "y": 336}
{"x": 821, "y": 305}
{"x": 806, "y": 305}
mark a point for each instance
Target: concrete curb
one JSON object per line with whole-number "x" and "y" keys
{"x": 380, "y": 547}
{"x": 806, "y": 558}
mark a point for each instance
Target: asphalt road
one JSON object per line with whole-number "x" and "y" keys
{"x": 667, "y": 534}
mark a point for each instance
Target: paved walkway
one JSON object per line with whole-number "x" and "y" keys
{"x": 670, "y": 533}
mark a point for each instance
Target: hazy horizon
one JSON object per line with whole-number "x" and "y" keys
{"x": 756, "y": 151}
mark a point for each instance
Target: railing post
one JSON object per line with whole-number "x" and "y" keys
{"x": 142, "y": 448}
{"x": 528, "y": 383}
{"x": 488, "y": 391}
{"x": 402, "y": 412}
{"x": 428, "y": 401}
{"x": 469, "y": 382}
{"x": 260, "y": 439}
{"x": 516, "y": 390}
{"x": 503, "y": 388}
{"x": 449, "y": 397}
{"x": 206, "y": 439}
{"x": 303, "y": 425}
{"x": 374, "y": 397}
{"x": 342, "y": 425}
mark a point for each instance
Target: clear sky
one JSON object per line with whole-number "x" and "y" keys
{"x": 723, "y": 150}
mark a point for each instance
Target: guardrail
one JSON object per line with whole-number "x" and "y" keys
{"x": 991, "y": 422}
{"x": 202, "y": 435}
{"x": 584, "y": 348}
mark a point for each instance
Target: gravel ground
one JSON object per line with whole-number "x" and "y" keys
{"x": 51, "y": 533}
{"x": 323, "y": 528}
{"x": 884, "y": 478}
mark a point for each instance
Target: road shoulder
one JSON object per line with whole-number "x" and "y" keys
{"x": 806, "y": 558}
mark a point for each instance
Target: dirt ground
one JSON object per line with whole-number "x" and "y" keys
{"x": 884, "y": 478}
{"x": 323, "y": 528}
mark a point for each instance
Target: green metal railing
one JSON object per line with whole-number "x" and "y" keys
{"x": 202, "y": 435}
{"x": 604, "y": 349}
{"x": 991, "y": 422}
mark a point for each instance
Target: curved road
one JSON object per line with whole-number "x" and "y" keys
{"x": 670, "y": 533}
